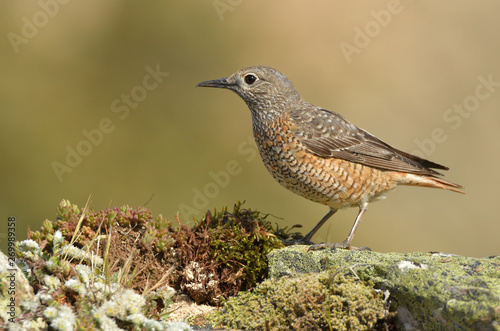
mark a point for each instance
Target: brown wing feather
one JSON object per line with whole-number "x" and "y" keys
{"x": 328, "y": 134}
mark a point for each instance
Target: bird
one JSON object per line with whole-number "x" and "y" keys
{"x": 321, "y": 156}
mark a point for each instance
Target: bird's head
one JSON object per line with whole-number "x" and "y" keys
{"x": 262, "y": 88}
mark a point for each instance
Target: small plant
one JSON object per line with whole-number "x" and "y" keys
{"x": 85, "y": 227}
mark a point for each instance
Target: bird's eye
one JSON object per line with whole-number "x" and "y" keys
{"x": 250, "y": 79}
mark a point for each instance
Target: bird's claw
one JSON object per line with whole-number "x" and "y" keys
{"x": 342, "y": 245}
{"x": 301, "y": 241}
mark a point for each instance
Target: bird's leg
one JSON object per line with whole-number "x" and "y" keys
{"x": 346, "y": 244}
{"x": 306, "y": 240}
{"x": 325, "y": 218}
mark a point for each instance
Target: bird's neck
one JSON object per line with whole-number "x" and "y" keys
{"x": 272, "y": 109}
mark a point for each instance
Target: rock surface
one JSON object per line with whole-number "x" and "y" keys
{"x": 430, "y": 291}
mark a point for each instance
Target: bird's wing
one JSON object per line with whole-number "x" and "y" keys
{"x": 328, "y": 134}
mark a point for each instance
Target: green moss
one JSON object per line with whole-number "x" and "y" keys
{"x": 243, "y": 237}
{"x": 224, "y": 253}
{"x": 323, "y": 301}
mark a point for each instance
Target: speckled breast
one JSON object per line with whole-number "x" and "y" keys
{"x": 329, "y": 181}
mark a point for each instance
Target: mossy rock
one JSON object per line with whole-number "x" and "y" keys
{"x": 430, "y": 291}
{"x": 319, "y": 301}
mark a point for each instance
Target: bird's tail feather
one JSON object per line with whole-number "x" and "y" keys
{"x": 430, "y": 181}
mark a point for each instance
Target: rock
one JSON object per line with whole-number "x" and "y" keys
{"x": 429, "y": 291}
{"x": 311, "y": 301}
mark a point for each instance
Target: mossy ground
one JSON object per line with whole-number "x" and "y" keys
{"x": 216, "y": 257}
{"x": 82, "y": 264}
{"x": 86, "y": 268}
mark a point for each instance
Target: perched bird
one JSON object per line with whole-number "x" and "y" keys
{"x": 318, "y": 154}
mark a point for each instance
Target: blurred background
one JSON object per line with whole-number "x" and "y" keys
{"x": 98, "y": 98}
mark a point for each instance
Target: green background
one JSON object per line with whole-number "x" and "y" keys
{"x": 62, "y": 77}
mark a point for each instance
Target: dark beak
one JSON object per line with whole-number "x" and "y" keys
{"x": 220, "y": 83}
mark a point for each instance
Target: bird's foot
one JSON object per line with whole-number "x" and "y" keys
{"x": 301, "y": 241}
{"x": 342, "y": 245}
